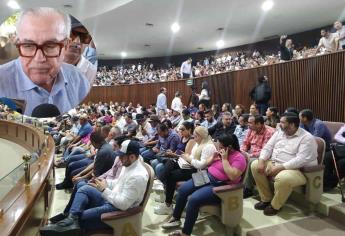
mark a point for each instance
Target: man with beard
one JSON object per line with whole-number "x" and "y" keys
{"x": 286, "y": 152}
{"x": 39, "y": 75}
{"x": 80, "y": 39}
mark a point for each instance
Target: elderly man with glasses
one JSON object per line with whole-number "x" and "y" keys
{"x": 39, "y": 75}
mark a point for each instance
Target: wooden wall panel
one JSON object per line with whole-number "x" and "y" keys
{"x": 317, "y": 83}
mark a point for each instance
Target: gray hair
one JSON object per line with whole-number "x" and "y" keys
{"x": 46, "y": 11}
{"x": 116, "y": 131}
{"x": 227, "y": 113}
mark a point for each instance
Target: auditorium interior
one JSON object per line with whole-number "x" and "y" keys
{"x": 149, "y": 150}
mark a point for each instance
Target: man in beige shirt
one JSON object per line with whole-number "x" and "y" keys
{"x": 288, "y": 150}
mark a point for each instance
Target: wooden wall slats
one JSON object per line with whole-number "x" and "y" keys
{"x": 317, "y": 83}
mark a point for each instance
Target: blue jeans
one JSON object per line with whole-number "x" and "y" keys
{"x": 159, "y": 169}
{"x": 198, "y": 196}
{"x": 89, "y": 205}
{"x": 148, "y": 155}
{"x": 76, "y": 150}
{"x": 74, "y": 168}
{"x": 77, "y": 186}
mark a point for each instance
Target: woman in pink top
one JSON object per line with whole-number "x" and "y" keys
{"x": 225, "y": 167}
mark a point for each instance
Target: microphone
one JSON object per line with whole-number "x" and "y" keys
{"x": 45, "y": 110}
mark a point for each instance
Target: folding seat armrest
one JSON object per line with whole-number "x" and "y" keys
{"x": 227, "y": 188}
{"x": 121, "y": 214}
{"x": 309, "y": 169}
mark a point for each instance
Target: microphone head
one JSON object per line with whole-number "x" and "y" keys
{"x": 45, "y": 110}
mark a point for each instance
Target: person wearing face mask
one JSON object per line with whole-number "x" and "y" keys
{"x": 39, "y": 74}
{"x": 80, "y": 39}
{"x": 289, "y": 149}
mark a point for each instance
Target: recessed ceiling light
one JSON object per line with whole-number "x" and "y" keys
{"x": 267, "y": 5}
{"x": 220, "y": 43}
{"x": 147, "y": 45}
{"x": 67, "y": 6}
{"x": 13, "y": 4}
{"x": 175, "y": 27}
{"x": 149, "y": 24}
{"x": 123, "y": 54}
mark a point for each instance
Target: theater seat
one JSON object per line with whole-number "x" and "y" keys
{"x": 230, "y": 211}
{"x": 127, "y": 223}
{"x": 333, "y": 127}
{"x": 313, "y": 189}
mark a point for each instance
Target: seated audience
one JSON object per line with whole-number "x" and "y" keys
{"x": 186, "y": 116}
{"x": 111, "y": 174}
{"x": 225, "y": 126}
{"x": 315, "y": 126}
{"x": 272, "y": 117}
{"x": 102, "y": 196}
{"x": 289, "y": 149}
{"x": 224, "y": 167}
{"x": 174, "y": 169}
{"x": 256, "y": 138}
{"x": 253, "y": 110}
{"x": 209, "y": 121}
{"x": 102, "y": 162}
{"x": 242, "y": 128}
{"x": 168, "y": 139}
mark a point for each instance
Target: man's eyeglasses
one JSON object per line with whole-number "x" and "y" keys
{"x": 49, "y": 49}
{"x": 85, "y": 38}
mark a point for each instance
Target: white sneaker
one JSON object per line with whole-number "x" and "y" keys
{"x": 163, "y": 209}
{"x": 160, "y": 197}
{"x": 172, "y": 224}
{"x": 158, "y": 185}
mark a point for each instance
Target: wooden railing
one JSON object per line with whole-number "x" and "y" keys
{"x": 24, "y": 208}
{"x": 317, "y": 83}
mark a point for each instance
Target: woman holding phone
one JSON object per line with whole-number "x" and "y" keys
{"x": 197, "y": 151}
{"x": 224, "y": 167}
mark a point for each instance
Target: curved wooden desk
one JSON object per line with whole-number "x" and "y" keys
{"x": 24, "y": 208}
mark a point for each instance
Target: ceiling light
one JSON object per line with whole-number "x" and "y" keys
{"x": 67, "y": 6}
{"x": 220, "y": 43}
{"x": 13, "y": 4}
{"x": 123, "y": 54}
{"x": 267, "y": 5}
{"x": 175, "y": 27}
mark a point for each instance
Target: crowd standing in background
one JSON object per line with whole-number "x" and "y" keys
{"x": 144, "y": 72}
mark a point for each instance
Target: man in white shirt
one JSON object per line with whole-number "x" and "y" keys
{"x": 186, "y": 69}
{"x": 176, "y": 103}
{"x": 327, "y": 42}
{"x": 161, "y": 103}
{"x": 101, "y": 196}
{"x": 288, "y": 150}
{"x": 340, "y": 34}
